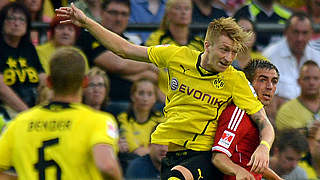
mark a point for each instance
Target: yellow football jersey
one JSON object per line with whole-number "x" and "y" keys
{"x": 197, "y": 97}
{"x": 138, "y": 134}
{"x": 55, "y": 142}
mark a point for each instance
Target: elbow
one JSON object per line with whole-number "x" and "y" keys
{"x": 215, "y": 159}
{"x": 107, "y": 168}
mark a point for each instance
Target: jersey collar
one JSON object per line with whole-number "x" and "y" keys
{"x": 201, "y": 70}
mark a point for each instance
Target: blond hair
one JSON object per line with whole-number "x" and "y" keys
{"x": 164, "y": 25}
{"x": 229, "y": 27}
{"x": 96, "y": 71}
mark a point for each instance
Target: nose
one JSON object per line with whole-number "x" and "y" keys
{"x": 230, "y": 56}
{"x": 269, "y": 85}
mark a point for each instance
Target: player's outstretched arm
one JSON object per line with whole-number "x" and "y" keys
{"x": 107, "y": 162}
{"x": 269, "y": 174}
{"x": 110, "y": 40}
{"x": 226, "y": 166}
{"x": 260, "y": 158}
{"x": 8, "y": 176}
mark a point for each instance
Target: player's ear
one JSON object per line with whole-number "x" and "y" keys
{"x": 206, "y": 45}
{"x": 85, "y": 82}
{"x": 49, "y": 82}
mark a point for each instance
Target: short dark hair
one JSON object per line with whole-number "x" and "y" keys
{"x": 67, "y": 70}
{"x": 291, "y": 138}
{"x": 255, "y": 64}
{"x": 105, "y": 3}
{"x": 301, "y": 16}
{"x": 309, "y": 63}
{"x": 16, "y": 7}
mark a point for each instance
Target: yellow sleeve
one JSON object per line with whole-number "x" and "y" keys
{"x": 6, "y": 142}
{"x": 162, "y": 54}
{"x": 106, "y": 131}
{"x": 126, "y": 132}
{"x": 244, "y": 96}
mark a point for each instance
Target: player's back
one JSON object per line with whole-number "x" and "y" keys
{"x": 56, "y": 141}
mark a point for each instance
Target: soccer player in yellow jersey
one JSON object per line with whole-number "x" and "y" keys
{"x": 201, "y": 85}
{"x": 63, "y": 139}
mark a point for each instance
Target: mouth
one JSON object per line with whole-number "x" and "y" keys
{"x": 266, "y": 96}
{"x": 224, "y": 64}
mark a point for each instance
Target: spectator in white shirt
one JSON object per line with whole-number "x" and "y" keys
{"x": 289, "y": 54}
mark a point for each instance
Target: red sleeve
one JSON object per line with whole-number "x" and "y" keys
{"x": 232, "y": 126}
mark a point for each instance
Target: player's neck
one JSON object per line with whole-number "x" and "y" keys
{"x": 67, "y": 98}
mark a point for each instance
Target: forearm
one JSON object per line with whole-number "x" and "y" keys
{"x": 115, "y": 64}
{"x": 114, "y": 42}
{"x": 8, "y": 176}
{"x": 224, "y": 164}
{"x": 9, "y": 97}
{"x": 269, "y": 174}
{"x": 266, "y": 130}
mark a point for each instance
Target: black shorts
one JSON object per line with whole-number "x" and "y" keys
{"x": 198, "y": 163}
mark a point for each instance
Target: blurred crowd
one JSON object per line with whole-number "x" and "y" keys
{"x": 130, "y": 90}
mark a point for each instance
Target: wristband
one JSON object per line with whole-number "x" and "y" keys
{"x": 266, "y": 144}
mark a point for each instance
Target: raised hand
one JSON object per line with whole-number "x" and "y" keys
{"x": 73, "y": 15}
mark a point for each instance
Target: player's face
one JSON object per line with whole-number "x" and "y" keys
{"x": 220, "y": 54}
{"x": 95, "y": 93}
{"x": 64, "y": 35}
{"x": 15, "y": 24}
{"x": 180, "y": 13}
{"x": 115, "y": 17}
{"x": 265, "y": 84}
{"x": 309, "y": 81}
{"x": 288, "y": 160}
{"x": 158, "y": 152}
{"x": 144, "y": 97}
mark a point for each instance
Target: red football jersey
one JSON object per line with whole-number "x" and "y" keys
{"x": 237, "y": 137}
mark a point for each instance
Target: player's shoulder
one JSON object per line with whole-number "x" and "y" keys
{"x": 233, "y": 73}
{"x": 233, "y": 110}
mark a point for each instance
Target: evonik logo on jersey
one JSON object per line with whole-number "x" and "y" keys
{"x": 195, "y": 93}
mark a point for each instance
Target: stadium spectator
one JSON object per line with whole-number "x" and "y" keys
{"x": 64, "y": 139}
{"x": 174, "y": 28}
{"x": 122, "y": 73}
{"x": 300, "y": 112}
{"x": 289, "y": 54}
{"x": 140, "y": 120}
{"x": 311, "y": 162}
{"x": 243, "y": 58}
{"x": 3, "y": 3}
{"x": 149, "y": 165}
{"x": 289, "y": 147}
{"x": 20, "y": 68}
{"x": 146, "y": 11}
{"x": 35, "y": 8}
{"x": 264, "y": 11}
{"x": 96, "y": 94}
{"x": 92, "y": 8}
{"x": 204, "y": 12}
{"x": 189, "y": 126}
{"x": 61, "y": 35}
{"x": 232, "y": 154}
{"x": 230, "y": 6}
